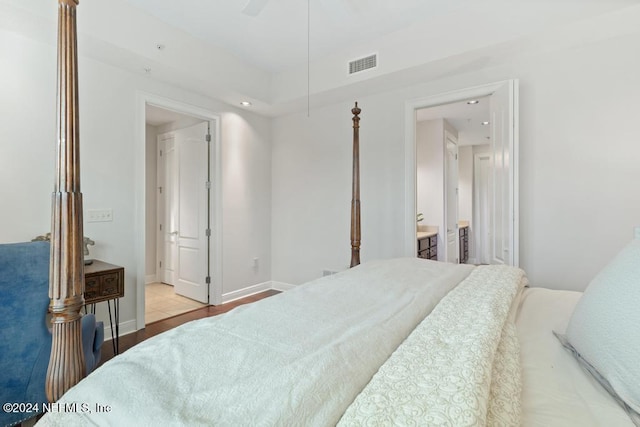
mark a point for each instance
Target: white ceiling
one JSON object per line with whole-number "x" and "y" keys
{"x": 212, "y": 48}
{"x": 156, "y": 116}
{"x": 464, "y": 117}
{"x": 276, "y": 39}
{"x": 285, "y": 34}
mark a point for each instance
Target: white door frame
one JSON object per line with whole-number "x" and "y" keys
{"x": 215, "y": 259}
{"x": 410, "y": 108}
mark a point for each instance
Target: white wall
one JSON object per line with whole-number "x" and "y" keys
{"x": 27, "y": 138}
{"x": 578, "y": 166}
{"x": 311, "y": 188}
{"x": 246, "y": 216}
{"x": 108, "y": 147}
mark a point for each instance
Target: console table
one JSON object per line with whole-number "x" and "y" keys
{"x": 105, "y": 282}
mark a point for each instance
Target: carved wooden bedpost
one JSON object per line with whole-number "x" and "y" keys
{"x": 66, "y": 276}
{"x": 355, "y": 193}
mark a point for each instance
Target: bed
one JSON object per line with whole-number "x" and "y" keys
{"x": 402, "y": 341}
{"x": 558, "y": 391}
{"x": 391, "y": 342}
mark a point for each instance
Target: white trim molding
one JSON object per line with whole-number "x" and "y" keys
{"x": 125, "y": 328}
{"x": 245, "y": 292}
{"x": 281, "y": 286}
{"x": 255, "y": 289}
{"x": 410, "y": 108}
{"x": 142, "y": 99}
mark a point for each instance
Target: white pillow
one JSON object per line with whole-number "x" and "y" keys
{"x": 605, "y": 327}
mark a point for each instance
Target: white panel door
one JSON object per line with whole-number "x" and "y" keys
{"x": 192, "y": 211}
{"x": 501, "y": 176}
{"x": 451, "y": 198}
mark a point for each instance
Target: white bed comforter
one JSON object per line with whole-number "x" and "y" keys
{"x": 298, "y": 358}
{"x": 460, "y": 366}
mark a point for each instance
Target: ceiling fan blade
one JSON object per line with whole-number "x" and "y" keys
{"x": 254, "y": 7}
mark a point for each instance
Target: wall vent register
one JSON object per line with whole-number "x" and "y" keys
{"x": 362, "y": 64}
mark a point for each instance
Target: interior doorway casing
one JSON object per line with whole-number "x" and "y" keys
{"x": 215, "y": 259}
{"x": 411, "y": 106}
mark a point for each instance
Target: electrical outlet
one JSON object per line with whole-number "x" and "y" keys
{"x": 255, "y": 263}
{"x": 99, "y": 215}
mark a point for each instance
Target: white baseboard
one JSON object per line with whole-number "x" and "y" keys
{"x": 251, "y": 290}
{"x": 125, "y": 328}
{"x": 151, "y": 278}
{"x": 281, "y": 286}
{"x": 245, "y": 292}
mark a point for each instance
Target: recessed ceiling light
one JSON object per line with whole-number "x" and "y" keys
{"x": 472, "y": 102}
{"x": 485, "y": 123}
{"x": 245, "y": 104}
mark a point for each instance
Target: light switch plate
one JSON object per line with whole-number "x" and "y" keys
{"x": 99, "y": 215}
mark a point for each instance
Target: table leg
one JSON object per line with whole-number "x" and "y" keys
{"x": 115, "y": 338}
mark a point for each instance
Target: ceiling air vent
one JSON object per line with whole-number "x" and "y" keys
{"x": 362, "y": 64}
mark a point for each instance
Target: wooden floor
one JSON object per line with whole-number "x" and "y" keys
{"x": 129, "y": 340}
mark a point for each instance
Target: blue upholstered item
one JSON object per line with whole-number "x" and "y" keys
{"x": 25, "y": 339}
{"x": 92, "y": 339}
